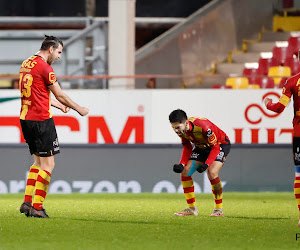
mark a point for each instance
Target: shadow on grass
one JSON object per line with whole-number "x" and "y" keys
{"x": 257, "y": 218}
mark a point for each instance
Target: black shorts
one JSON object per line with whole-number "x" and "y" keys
{"x": 296, "y": 150}
{"x": 201, "y": 155}
{"x": 41, "y": 137}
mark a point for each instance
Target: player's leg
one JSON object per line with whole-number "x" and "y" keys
{"x": 188, "y": 189}
{"x": 30, "y": 137}
{"x": 42, "y": 186}
{"x": 30, "y": 185}
{"x": 213, "y": 175}
{"x": 47, "y": 147}
{"x": 216, "y": 186}
{"x": 296, "y": 154}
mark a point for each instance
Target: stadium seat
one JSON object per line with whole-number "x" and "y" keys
{"x": 264, "y": 64}
{"x": 279, "y": 55}
{"x": 265, "y": 82}
{"x": 220, "y": 86}
{"x": 293, "y": 63}
{"x": 293, "y": 45}
{"x": 5, "y": 84}
{"x": 237, "y": 82}
{"x": 277, "y": 72}
{"x": 254, "y": 86}
{"x": 251, "y": 74}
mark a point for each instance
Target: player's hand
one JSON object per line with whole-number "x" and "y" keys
{"x": 178, "y": 168}
{"x": 267, "y": 100}
{"x": 83, "y": 111}
{"x": 202, "y": 168}
{"x": 64, "y": 108}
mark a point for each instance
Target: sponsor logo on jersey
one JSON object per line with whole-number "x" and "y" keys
{"x": 52, "y": 77}
{"x": 209, "y": 132}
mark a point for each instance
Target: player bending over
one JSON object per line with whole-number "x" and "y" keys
{"x": 205, "y": 148}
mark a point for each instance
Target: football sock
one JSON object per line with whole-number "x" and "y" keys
{"x": 41, "y": 188}
{"x": 30, "y": 185}
{"x": 216, "y": 186}
{"x": 188, "y": 189}
{"x": 297, "y": 187}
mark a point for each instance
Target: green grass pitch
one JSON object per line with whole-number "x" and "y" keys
{"x": 146, "y": 221}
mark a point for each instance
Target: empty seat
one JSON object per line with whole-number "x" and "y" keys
{"x": 293, "y": 63}
{"x": 251, "y": 74}
{"x": 254, "y": 86}
{"x": 277, "y": 72}
{"x": 294, "y": 45}
{"x": 264, "y": 64}
{"x": 252, "y": 71}
{"x": 237, "y": 82}
{"x": 220, "y": 86}
{"x": 265, "y": 82}
{"x": 6, "y": 84}
{"x": 279, "y": 55}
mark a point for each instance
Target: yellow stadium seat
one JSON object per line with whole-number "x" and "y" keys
{"x": 5, "y": 84}
{"x": 237, "y": 82}
{"x": 254, "y": 86}
{"x": 281, "y": 71}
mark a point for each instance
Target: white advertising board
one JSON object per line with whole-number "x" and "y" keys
{"x": 141, "y": 116}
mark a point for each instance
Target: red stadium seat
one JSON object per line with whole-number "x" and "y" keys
{"x": 293, "y": 63}
{"x": 279, "y": 55}
{"x": 264, "y": 64}
{"x": 220, "y": 86}
{"x": 294, "y": 45}
{"x": 251, "y": 74}
{"x": 265, "y": 82}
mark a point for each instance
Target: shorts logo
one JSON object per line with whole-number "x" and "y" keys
{"x": 220, "y": 156}
{"x": 43, "y": 153}
{"x": 194, "y": 155}
{"x": 297, "y": 157}
{"x": 55, "y": 143}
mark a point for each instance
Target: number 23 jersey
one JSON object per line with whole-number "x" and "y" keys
{"x": 35, "y": 77}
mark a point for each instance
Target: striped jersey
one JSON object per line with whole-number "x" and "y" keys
{"x": 205, "y": 135}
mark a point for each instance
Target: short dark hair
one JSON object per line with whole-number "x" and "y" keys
{"x": 51, "y": 41}
{"x": 178, "y": 115}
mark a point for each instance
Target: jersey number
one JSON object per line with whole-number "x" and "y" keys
{"x": 26, "y": 88}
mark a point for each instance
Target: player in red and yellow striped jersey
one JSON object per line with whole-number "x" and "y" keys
{"x": 205, "y": 147}
{"x": 291, "y": 88}
{"x": 37, "y": 79}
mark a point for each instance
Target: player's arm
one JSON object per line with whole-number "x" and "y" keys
{"x": 60, "y": 106}
{"x": 66, "y": 100}
{"x": 186, "y": 151}
{"x": 185, "y": 156}
{"x": 284, "y": 99}
{"x": 279, "y": 106}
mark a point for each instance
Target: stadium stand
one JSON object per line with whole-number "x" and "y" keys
{"x": 278, "y": 72}
{"x": 238, "y": 82}
{"x": 293, "y": 63}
